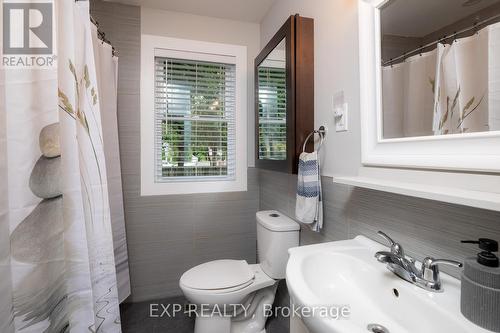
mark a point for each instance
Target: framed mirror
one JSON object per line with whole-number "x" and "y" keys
{"x": 284, "y": 95}
{"x": 272, "y": 99}
{"x": 430, "y": 91}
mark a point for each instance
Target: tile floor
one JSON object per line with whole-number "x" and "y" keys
{"x": 136, "y": 316}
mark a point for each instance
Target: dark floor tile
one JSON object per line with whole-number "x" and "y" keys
{"x": 136, "y": 317}
{"x": 280, "y": 324}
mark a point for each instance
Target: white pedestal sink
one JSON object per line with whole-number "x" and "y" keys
{"x": 345, "y": 273}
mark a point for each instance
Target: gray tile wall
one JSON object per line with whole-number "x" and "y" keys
{"x": 423, "y": 227}
{"x": 166, "y": 235}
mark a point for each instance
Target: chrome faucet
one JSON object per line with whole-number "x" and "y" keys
{"x": 427, "y": 277}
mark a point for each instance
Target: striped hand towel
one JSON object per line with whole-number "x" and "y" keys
{"x": 309, "y": 205}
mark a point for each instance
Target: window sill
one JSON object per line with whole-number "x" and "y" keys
{"x": 193, "y": 187}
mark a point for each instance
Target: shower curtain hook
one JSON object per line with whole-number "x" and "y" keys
{"x": 421, "y": 49}
{"x": 455, "y": 37}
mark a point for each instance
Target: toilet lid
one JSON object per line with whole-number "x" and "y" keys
{"x": 218, "y": 274}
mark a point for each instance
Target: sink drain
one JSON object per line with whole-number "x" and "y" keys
{"x": 376, "y": 328}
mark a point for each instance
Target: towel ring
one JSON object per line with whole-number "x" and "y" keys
{"x": 321, "y": 132}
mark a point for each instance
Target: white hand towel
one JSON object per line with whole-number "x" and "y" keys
{"x": 309, "y": 205}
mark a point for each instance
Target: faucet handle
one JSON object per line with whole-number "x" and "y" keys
{"x": 396, "y": 248}
{"x": 431, "y": 262}
{"x": 430, "y": 269}
{"x": 386, "y": 237}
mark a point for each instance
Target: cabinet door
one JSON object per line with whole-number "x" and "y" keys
{"x": 284, "y": 95}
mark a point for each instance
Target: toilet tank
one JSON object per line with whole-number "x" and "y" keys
{"x": 276, "y": 233}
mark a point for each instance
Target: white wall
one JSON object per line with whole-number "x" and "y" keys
{"x": 209, "y": 29}
{"x": 336, "y": 55}
{"x": 336, "y": 68}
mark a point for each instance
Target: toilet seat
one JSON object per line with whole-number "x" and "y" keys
{"x": 219, "y": 275}
{"x": 220, "y": 291}
{"x": 232, "y": 295}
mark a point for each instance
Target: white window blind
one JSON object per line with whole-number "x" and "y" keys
{"x": 195, "y": 107}
{"x": 272, "y": 113}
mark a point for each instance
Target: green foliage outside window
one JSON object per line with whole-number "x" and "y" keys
{"x": 198, "y": 113}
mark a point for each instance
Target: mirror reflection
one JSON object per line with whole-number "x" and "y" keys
{"x": 272, "y": 104}
{"x": 440, "y": 67}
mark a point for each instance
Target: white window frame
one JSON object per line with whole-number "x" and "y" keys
{"x": 152, "y": 46}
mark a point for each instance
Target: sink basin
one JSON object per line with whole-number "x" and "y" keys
{"x": 346, "y": 274}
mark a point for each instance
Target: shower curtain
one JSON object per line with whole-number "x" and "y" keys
{"x": 453, "y": 89}
{"x": 107, "y": 81}
{"x": 468, "y": 81}
{"x": 408, "y": 101}
{"x": 57, "y": 260}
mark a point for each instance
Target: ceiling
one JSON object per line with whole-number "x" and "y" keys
{"x": 239, "y": 10}
{"x": 418, "y": 18}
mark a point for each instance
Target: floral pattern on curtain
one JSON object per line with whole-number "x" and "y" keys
{"x": 461, "y": 101}
{"x": 58, "y": 275}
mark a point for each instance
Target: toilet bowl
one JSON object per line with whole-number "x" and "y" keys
{"x": 231, "y": 296}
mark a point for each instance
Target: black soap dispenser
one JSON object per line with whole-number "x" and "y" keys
{"x": 480, "y": 297}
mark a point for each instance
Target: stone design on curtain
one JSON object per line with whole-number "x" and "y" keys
{"x": 58, "y": 275}
{"x": 38, "y": 239}
{"x": 453, "y": 89}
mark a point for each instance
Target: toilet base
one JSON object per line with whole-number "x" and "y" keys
{"x": 253, "y": 321}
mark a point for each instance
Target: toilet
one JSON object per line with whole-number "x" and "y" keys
{"x": 231, "y": 295}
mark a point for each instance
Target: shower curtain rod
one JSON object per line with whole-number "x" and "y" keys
{"x": 443, "y": 39}
{"x": 100, "y": 34}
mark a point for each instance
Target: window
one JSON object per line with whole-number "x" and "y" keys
{"x": 193, "y": 117}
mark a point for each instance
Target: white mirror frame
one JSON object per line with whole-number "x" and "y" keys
{"x": 478, "y": 152}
